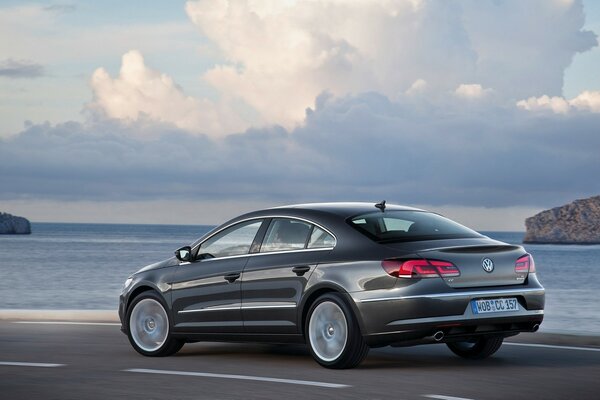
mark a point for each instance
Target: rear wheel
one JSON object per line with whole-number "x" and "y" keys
{"x": 149, "y": 328}
{"x": 476, "y": 348}
{"x": 333, "y": 334}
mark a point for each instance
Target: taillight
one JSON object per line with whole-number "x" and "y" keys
{"x": 420, "y": 268}
{"x": 525, "y": 264}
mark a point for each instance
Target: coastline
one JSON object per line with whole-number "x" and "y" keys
{"x": 59, "y": 315}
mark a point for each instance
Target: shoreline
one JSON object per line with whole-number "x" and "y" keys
{"x": 111, "y": 316}
{"x": 59, "y": 315}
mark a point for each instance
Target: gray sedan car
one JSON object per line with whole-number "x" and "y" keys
{"x": 340, "y": 277}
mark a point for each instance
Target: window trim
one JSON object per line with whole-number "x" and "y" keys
{"x": 264, "y": 218}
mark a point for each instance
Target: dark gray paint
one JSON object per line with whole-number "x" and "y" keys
{"x": 389, "y": 310}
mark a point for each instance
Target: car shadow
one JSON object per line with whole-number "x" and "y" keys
{"x": 418, "y": 357}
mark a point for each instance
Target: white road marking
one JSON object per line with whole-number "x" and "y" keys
{"x": 241, "y": 377}
{"x": 550, "y": 346}
{"x": 27, "y": 364}
{"x": 442, "y": 397}
{"x": 68, "y": 323}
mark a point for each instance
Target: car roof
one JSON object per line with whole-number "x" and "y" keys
{"x": 344, "y": 209}
{"x": 331, "y": 215}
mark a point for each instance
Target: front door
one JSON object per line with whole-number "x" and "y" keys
{"x": 206, "y": 293}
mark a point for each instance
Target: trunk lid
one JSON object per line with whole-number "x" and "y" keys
{"x": 480, "y": 265}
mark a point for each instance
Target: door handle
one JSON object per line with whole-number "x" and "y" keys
{"x": 231, "y": 277}
{"x": 301, "y": 270}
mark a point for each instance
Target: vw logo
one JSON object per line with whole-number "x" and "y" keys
{"x": 487, "y": 264}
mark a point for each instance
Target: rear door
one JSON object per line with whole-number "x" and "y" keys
{"x": 274, "y": 279}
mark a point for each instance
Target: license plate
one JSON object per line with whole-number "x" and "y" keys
{"x": 494, "y": 305}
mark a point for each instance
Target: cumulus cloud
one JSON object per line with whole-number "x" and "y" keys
{"x": 20, "y": 69}
{"x": 471, "y": 91}
{"x": 418, "y": 87}
{"x": 282, "y": 55}
{"x": 586, "y": 101}
{"x": 141, "y": 92}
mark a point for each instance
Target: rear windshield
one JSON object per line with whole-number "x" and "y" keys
{"x": 408, "y": 226}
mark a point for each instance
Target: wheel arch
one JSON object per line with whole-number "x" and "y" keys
{"x": 143, "y": 287}
{"x": 316, "y": 292}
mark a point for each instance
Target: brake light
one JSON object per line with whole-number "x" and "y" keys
{"x": 420, "y": 268}
{"x": 525, "y": 264}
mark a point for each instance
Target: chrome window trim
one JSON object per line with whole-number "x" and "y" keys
{"x": 479, "y": 293}
{"x": 263, "y": 217}
{"x": 265, "y": 254}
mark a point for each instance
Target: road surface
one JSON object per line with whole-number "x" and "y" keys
{"x": 75, "y": 360}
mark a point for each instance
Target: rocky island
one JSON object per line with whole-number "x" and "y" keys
{"x": 575, "y": 223}
{"x": 13, "y": 225}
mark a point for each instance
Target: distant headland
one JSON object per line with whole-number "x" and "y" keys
{"x": 13, "y": 225}
{"x": 574, "y": 223}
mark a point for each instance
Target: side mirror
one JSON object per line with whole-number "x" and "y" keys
{"x": 184, "y": 254}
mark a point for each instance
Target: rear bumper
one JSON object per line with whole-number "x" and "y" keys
{"x": 399, "y": 315}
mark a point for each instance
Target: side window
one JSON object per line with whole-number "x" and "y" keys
{"x": 285, "y": 234}
{"x": 319, "y": 238}
{"x": 233, "y": 241}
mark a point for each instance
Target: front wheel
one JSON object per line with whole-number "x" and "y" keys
{"x": 333, "y": 334}
{"x": 476, "y": 348}
{"x": 148, "y": 327}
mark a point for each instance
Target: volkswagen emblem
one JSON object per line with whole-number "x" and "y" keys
{"x": 487, "y": 264}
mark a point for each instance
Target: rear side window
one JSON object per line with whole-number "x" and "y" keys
{"x": 286, "y": 234}
{"x": 407, "y": 226}
{"x": 320, "y": 239}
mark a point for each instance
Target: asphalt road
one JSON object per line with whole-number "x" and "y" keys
{"x": 65, "y": 361}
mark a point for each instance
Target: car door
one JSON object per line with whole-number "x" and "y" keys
{"x": 274, "y": 279}
{"x": 206, "y": 293}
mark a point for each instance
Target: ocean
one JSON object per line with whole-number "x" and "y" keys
{"x": 83, "y": 266}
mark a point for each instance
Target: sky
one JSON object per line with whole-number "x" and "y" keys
{"x": 487, "y": 111}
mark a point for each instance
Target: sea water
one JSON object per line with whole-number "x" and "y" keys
{"x": 83, "y": 266}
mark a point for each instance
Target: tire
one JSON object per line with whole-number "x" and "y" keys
{"x": 332, "y": 333}
{"x": 477, "y": 348}
{"x": 149, "y": 326}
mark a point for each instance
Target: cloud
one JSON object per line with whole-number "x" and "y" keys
{"x": 277, "y": 57}
{"x": 20, "y": 69}
{"x": 140, "y": 92}
{"x": 411, "y": 101}
{"x": 471, "y": 91}
{"x": 281, "y": 55}
{"x": 587, "y": 101}
{"x": 362, "y": 147}
{"x": 418, "y": 87}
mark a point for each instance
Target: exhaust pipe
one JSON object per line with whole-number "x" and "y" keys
{"x": 535, "y": 328}
{"x": 439, "y": 335}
